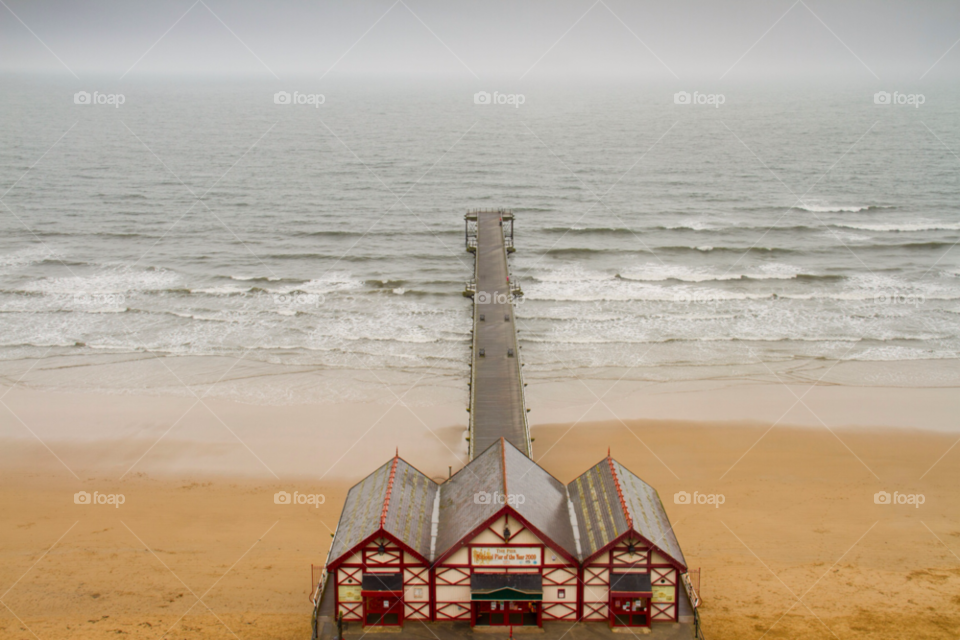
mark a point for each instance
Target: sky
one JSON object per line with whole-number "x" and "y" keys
{"x": 853, "y": 40}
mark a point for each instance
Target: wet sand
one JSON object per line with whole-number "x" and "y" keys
{"x": 798, "y": 518}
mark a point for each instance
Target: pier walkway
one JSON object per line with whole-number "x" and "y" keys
{"x": 497, "y": 407}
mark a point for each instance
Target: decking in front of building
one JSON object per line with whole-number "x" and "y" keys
{"x": 496, "y": 388}
{"x": 421, "y": 630}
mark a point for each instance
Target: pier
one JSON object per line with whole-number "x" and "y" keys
{"x": 502, "y": 543}
{"x": 497, "y": 407}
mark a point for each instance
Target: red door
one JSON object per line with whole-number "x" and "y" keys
{"x": 383, "y": 609}
{"x": 630, "y": 611}
{"x": 499, "y": 613}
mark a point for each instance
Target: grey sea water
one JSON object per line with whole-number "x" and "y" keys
{"x": 202, "y": 223}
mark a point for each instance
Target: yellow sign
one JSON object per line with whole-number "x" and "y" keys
{"x": 349, "y": 593}
{"x": 506, "y": 556}
{"x": 665, "y": 593}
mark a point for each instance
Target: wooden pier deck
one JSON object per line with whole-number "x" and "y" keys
{"x": 497, "y": 406}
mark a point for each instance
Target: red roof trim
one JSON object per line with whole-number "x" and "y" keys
{"x": 380, "y": 533}
{"x": 682, "y": 568}
{"x": 386, "y": 498}
{"x": 503, "y": 466}
{"x": 616, "y": 482}
{"x": 504, "y": 511}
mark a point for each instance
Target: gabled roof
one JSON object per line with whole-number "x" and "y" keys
{"x": 580, "y": 520}
{"x": 609, "y": 501}
{"x": 395, "y": 498}
{"x": 510, "y": 480}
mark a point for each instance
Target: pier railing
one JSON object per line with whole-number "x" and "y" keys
{"x": 691, "y": 584}
{"x": 321, "y": 583}
{"x": 516, "y": 291}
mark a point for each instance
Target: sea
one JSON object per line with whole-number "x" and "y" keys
{"x": 214, "y": 235}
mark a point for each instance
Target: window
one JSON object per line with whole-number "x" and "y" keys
{"x": 561, "y": 594}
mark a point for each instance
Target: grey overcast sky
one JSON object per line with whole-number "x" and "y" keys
{"x": 685, "y": 39}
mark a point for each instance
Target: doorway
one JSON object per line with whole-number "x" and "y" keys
{"x": 383, "y": 609}
{"x": 503, "y": 613}
{"x": 630, "y": 611}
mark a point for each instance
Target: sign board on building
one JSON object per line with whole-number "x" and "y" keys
{"x": 506, "y": 556}
{"x": 349, "y": 593}
{"x": 665, "y": 593}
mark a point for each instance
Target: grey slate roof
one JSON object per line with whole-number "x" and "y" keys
{"x": 601, "y": 517}
{"x": 411, "y": 508}
{"x": 505, "y": 470}
{"x": 460, "y": 513}
{"x": 408, "y": 514}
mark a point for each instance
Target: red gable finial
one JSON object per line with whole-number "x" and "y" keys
{"x": 398, "y": 453}
{"x": 608, "y": 452}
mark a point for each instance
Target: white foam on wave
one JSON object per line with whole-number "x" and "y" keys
{"x": 827, "y": 208}
{"x": 660, "y": 273}
{"x": 696, "y": 225}
{"x": 652, "y": 284}
{"x": 106, "y": 310}
{"x": 921, "y": 225}
{"x": 205, "y": 318}
{"x": 846, "y": 237}
{"x": 248, "y": 278}
{"x": 112, "y": 281}
{"x": 330, "y": 283}
{"x": 24, "y": 257}
{"x": 621, "y": 290}
{"x": 225, "y": 290}
{"x": 571, "y": 273}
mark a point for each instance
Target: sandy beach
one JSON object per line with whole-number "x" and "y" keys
{"x": 699, "y": 261}
{"x": 798, "y": 549}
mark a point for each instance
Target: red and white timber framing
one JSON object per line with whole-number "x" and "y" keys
{"x": 382, "y": 552}
{"x": 396, "y": 557}
{"x": 644, "y": 558}
{"x": 571, "y": 590}
{"x": 630, "y": 553}
{"x": 558, "y": 570}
